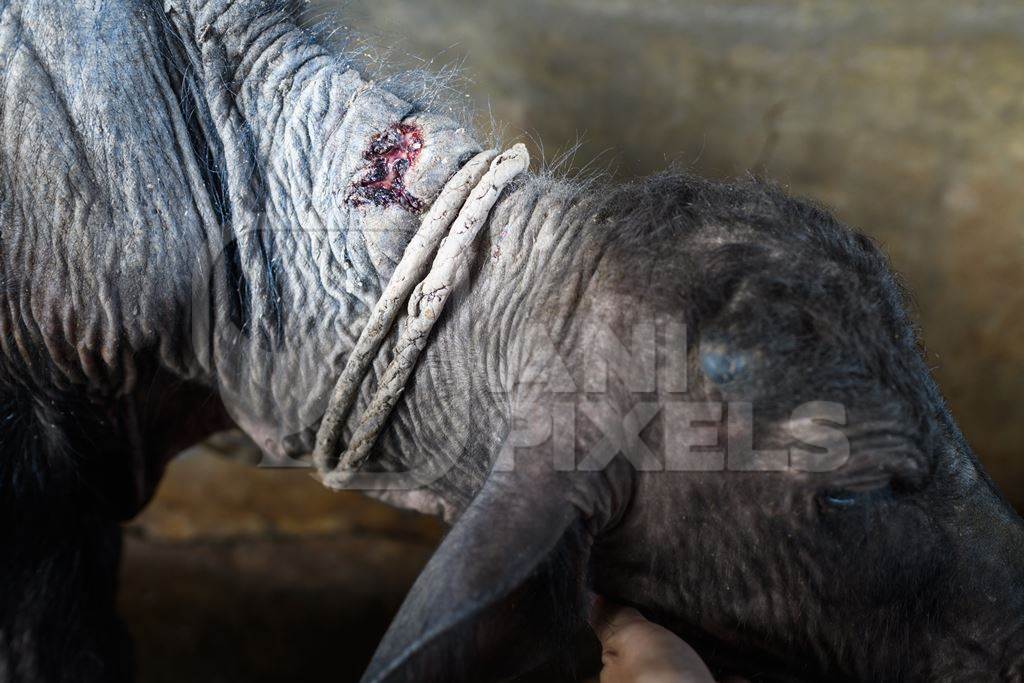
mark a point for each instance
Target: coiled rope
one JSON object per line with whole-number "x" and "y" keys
{"x": 443, "y": 243}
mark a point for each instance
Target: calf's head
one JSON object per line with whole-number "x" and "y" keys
{"x": 802, "y": 507}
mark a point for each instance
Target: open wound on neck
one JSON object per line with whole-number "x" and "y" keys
{"x": 390, "y": 155}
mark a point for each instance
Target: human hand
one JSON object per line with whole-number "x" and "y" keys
{"x": 634, "y": 650}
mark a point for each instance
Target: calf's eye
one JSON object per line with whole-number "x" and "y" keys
{"x": 852, "y": 498}
{"x": 722, "y": 366}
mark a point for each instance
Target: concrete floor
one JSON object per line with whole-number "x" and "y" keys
{"x": 267, "y": 609}
{"x": 237, "y": 573}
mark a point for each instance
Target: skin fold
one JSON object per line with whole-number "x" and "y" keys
{"x": 199, "y": 205}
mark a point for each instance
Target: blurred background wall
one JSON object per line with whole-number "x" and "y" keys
{"x": 906, "y": 118}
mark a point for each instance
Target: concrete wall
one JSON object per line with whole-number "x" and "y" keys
{"x": 907, "y": 118}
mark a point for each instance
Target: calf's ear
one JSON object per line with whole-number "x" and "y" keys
{"x": 503, "y": 592}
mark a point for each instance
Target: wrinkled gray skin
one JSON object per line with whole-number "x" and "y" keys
{"x": 179, "y": 253}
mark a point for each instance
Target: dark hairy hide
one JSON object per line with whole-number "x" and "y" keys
{"x": 815, "y": 313}
{"x": 758, "y": 270}
{"x": 59, "y": 550}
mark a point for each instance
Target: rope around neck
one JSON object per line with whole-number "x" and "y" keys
{"x": 449, "y": 229}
